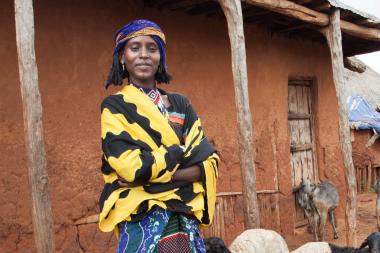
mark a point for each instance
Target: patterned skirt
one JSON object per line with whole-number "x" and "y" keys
{"x": 161, "y": 231}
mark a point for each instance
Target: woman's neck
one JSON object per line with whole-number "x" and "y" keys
{"x": 143, "y": 83}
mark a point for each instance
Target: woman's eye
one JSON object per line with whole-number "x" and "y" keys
{"x": 152, "y": 49}
{"x": 134, "y": 49}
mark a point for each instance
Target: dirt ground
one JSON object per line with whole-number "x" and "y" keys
{"x": 366, "y": 218}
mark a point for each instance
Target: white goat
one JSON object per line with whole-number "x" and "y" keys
{"x": 313, "y": 247}
{"x": 259, "y": 241}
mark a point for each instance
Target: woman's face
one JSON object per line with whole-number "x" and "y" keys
{"x": 142, "y": 58}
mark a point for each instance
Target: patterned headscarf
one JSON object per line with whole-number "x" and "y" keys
{"x": 141, "y": 27}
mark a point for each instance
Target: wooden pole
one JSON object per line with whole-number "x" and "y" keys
{"x": 232, "y": 11}
{"x": 310, "y": 16}
{"x": 34, "y": 144}
{"x": 369, "y": 177}
{"x": 334, "y": 39}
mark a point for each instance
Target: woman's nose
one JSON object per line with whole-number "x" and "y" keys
{"x": 144, "y": 53}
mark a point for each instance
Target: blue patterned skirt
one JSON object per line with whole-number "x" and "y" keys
{"x": 161, "y": 231}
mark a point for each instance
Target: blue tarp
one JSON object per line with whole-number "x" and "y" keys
{"x": 361, "y": 115}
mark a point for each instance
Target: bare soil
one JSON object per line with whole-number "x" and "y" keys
{"x": 366, "y": 218}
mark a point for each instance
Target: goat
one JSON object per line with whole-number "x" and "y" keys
{"x": 252, "y": 240}
{"x": 376, "y": 186}
{"x": 215, "y": 245}
{"x": 372, "y": 241}
{"x": 318, "y": 201}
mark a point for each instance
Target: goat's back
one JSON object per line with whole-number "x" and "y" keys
{"x": 326, "y": 193}
{"x": 313, "y": 247}
{"x": 259, "y": 241}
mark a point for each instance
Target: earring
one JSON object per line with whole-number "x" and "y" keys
{"x": 123, "y": 66}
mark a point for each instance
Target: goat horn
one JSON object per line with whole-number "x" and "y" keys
{"x": 364, "y": 244}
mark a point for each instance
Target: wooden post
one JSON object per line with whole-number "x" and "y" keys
{"x": 34, "y": 144}
{"x": 232, "y": 11}
{"x": 334, "y": 39}
{"x": 369, "y": 177}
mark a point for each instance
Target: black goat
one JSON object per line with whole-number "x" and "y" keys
{"x": 337, "y": 249}
{"x": 372, "y": 241}
{"x": 215, "y": 245}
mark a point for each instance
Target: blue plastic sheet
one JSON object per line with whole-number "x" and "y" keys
{"x": 361, "y": 115}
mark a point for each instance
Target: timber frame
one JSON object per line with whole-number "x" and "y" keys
{"x": 346, "y": 31}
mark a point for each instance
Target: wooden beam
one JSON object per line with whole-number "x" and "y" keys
{"x": 354, "y": 65}
{"x": 43, "y": 229}
{"x": 293, "y": 10}
{"x": 360, "y": 31}
{"x": 233, "y": 12}
{"x": 308, "y": 15}
{"x": 334, "y": 39}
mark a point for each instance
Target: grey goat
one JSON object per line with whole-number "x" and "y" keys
{"x": 376, "y": 186}
{"x": 318, "y": 201}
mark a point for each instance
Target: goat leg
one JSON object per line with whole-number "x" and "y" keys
{"x": 333, "y": 222}
{"x": 322, "y": 224}
{"x": 316, "y": 226}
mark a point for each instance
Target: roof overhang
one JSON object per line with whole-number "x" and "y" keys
{"x": 295, "y": 18}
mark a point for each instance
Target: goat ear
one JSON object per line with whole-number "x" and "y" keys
{"x": 296, "y": 189}
{"x": 364, "y": 244}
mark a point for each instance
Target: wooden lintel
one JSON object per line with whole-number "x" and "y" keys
{"x": 308, "y": 15}
{"x": 233, "y": 12}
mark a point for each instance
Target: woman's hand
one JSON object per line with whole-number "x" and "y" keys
{"x": 123, "y": 183}
{"x": 190, "y": 174}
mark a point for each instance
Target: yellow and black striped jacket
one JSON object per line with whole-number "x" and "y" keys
{"x": 141, "y": 145}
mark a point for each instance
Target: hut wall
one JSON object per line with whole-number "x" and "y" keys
{"x": 366, "y": 159}
{"x": 74, "y": 47}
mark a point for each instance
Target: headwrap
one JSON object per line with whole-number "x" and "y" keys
{"x": 141, "y": 27}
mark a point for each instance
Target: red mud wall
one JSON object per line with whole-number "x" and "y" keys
{"x": 74, "y": 47}
{"x": 362, "y": 155}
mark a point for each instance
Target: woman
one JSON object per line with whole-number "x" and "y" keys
{"x": 159, "y": 168}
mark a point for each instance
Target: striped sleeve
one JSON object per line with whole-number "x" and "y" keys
{"x": 128, "y": 148}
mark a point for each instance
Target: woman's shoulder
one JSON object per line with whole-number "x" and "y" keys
{"x": 178, "y": 98}
{"x": 112, "y": 100}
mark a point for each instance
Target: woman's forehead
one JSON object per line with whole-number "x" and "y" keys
{"x": 141, "y": 39}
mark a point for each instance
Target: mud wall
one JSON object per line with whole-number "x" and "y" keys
{"x": 74, "y": 47}
{"x": 362, "y": 155}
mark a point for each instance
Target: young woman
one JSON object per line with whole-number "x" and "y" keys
{"x": 159, "y": 168}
